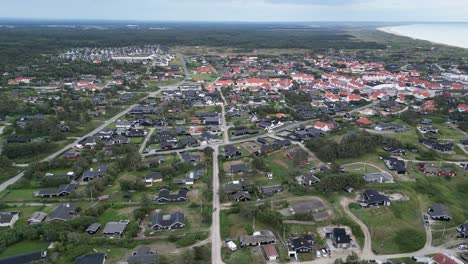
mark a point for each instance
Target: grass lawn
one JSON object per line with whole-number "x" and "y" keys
{"x": 207, "y": 77}
{"x": 243, "y": 255}
{"x": 19, "y": 195}
{"x": 360, "y": 168}
{"x": 23, "y": 247}
{"x": 392, "y": 227}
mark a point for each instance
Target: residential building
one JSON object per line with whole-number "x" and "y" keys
{"x": 378, "y": 177}
{"x": 8, "y": 219}
{"x": 63, "y": 212}
{"x": 439, "y": 212}
{"x": 373, "y": 198}
{"x": 167, "y": 222}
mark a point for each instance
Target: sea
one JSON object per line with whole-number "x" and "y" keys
{"x": 452, "y": 34}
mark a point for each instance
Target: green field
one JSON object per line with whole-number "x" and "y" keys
{"x": 395, "y": 229}
{"x": 24, "y": 247}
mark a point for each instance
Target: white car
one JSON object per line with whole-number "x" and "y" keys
{"x": 317, "y": 254}
{"x": 324, "y": 253}
{"x": 231, "y": 245}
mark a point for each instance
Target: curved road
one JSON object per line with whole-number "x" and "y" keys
{"x": 367, "y": 252}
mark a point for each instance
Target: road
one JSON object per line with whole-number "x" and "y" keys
{"x": 13, "y": 180}
{"x": 184, "y": 66}
{"x": 367, "y": 253}
{"x": 148, "y": 136}
{"x": 215, "y": 226}
{"x": 224, "y": 125}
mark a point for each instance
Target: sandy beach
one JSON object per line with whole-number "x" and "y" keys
{"x": 441, "y": 34}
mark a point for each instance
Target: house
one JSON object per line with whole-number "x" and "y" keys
{"x": 439, "y": 212}
{"x": 8, "y": 219}
{"x": 62, "y": 190}
{"x": 442, "y": 147}
{"x": 167, "y": 222}
{"x": 267, "y": 191}
{"x": 239, "y": 168}
{"x": 441, "y": 258}
{"x": 258, "y": 238}
{"x": 97, "y": 258}
{"x": 462, "y": 107}
{"x": 241, "y": 196}
{"x": 93, "y": 228}
{"x": 71, "y": 155}
{"x": 395, "y": 151}
{"x": 463, "y": 230}
{"x": 395, "y": 164}
{"x": 390, "y": 127}
{"x": 143, "y": 255}
{"x": 63, "y": 212}
{"x": 378, "y": 177}
{"x": 430, "y": 169}
{"x": 211, "y": 120}
{"x": 36, "y": 218}
{"x": 230, "y": 152}
{"x": 165, "y": 196}
{"x": 91, "y": 174}
{"x": 153, "y": 177}
{"x": 233, "y": 187}
{"x": 373, "y": 198}
{"x": 307, "y": 179}
{"x": 298, "y": 245}
{"x": 115, "y": 228}
{"x": 25, "y": 258}
{"x": 364, "y": 122}
{"x": 270, "y": 251}
{"x": 427, "y": 129}
{"x": 340, "y": 238}
{"x": 190, "y": 157}
{"x": 325, "y": 127}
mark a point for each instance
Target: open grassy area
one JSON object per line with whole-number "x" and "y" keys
{"x": 395, "y": 229}
{"x": 24, "y": 247}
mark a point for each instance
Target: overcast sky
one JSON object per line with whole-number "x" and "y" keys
{"x": 240, "y": 10}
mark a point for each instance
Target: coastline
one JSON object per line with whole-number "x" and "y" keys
{"x": 393, "y": 31}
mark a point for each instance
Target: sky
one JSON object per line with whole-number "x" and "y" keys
{"x": 240, "y": 10}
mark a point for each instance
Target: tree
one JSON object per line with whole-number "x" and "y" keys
{"x": 208, "y": 151}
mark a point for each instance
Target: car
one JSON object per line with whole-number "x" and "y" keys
{"x": 462, "y": 247}
{"x": 324, "y": 253}
{"x": 317, "y": 254}
{"x": 426, "y": 217}
{"x": 231, "y": 245}
{"x": 427, "y": 223}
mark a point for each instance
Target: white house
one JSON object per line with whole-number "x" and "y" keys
{"x": 8, "y": 219}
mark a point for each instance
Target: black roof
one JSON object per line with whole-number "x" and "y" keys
{"x": 24, "y": 258}
{"x": 97, "y": 258}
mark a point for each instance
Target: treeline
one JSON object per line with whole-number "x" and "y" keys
{"x": 28, "y": 44}
{"x": 351, "y": 146}
{"x": 26, "y": 150}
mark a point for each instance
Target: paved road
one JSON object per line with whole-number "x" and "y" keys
{"x": 148, "y": 136}
{"x": 215, "y": 226}
{"x": 184, "y": 66}
{"x": 224, "y": 125}
{"x": 11, "y": 181}
{"x": 366, "y": 251}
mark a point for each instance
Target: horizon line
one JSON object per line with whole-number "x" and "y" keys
{"x": 208, "y": 21}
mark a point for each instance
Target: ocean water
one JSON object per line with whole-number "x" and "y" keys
{"x": 453, "y": 34}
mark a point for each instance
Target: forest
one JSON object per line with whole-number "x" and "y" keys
{"x": 25, "y": 44}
